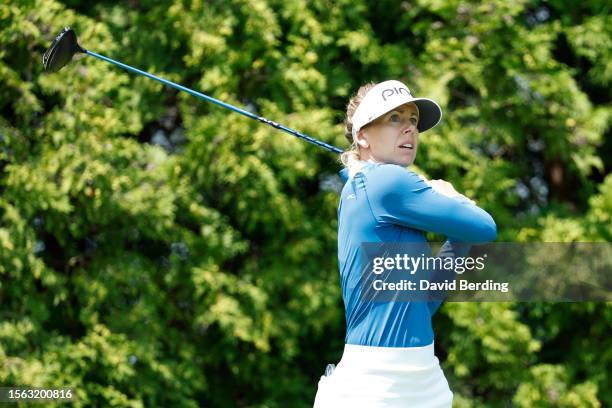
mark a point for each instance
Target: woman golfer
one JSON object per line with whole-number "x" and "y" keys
{"x": 388, "y": 359}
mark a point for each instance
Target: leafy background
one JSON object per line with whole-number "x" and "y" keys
{"x": 156, "y": 250}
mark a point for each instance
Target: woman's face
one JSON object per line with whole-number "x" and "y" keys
{"x": 392, "y": 138}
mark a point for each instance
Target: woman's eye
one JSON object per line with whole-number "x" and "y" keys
{"x": 414, "y": 121}
{"x": 394, "y": 118}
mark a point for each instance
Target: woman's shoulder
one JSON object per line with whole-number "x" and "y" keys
{"x": 384, "y": 175}
{"x": 389, "y": 173}
{"x": 391, "y": 180}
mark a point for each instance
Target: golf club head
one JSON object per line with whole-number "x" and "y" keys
{"x": 61, "y": 50}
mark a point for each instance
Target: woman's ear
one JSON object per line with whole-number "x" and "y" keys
{"x": 362, "y": 139}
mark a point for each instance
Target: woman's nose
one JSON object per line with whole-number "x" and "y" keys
{"x": 409, "y": 127}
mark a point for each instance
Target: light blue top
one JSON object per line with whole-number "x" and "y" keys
{"x": 388, "y": 203}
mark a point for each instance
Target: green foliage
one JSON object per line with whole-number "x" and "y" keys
{"x": 156, "y": 250}
{"x": 549, "y": 386}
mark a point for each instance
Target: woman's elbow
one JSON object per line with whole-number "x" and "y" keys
{"x": 487, "y": 232}
{"x": 491, "y": 231}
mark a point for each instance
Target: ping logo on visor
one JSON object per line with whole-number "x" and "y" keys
{"x": 395, "y": 91}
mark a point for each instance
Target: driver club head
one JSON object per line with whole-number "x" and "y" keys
{"x": 63, "y": 47}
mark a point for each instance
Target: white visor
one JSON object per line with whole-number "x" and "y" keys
{"x": 388, "y": 95}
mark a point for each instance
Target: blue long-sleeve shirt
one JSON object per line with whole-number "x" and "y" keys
{"x": 388, "y": 203}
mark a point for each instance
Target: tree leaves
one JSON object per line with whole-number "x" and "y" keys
{"x": 156, "y": 250}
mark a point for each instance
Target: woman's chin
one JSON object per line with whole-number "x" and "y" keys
{"x": 404, "y": 161}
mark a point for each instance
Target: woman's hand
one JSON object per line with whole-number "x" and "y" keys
{"x": 445, "y": 188}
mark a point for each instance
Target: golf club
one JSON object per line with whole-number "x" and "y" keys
{"x": 65, "y": 45}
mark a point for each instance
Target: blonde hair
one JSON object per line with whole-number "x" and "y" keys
{"x": 351, "y": 158}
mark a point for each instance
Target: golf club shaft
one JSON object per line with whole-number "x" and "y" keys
{"x": 218, "y": 102}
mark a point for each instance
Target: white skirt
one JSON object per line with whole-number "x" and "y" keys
{"x": 385, "y": 377}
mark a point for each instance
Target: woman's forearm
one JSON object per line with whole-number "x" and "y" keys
{"x": 400, "y": 196}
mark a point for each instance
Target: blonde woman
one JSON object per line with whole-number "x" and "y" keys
{"x": 388, "y": 359}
